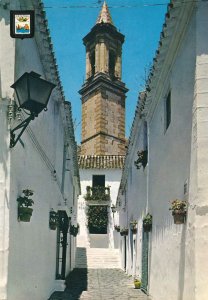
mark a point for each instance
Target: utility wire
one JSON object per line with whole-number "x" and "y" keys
{"x": 120, "y": 6}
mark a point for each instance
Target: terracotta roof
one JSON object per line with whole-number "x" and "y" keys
{"x": 101, "y": 161}
{"x": 104, "y": 16}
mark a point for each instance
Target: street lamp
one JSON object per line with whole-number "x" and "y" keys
{"x": 33, "y": 94}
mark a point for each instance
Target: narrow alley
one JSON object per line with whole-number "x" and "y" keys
{"x": 103, "y": 152}
{"x": 98, "y": 276}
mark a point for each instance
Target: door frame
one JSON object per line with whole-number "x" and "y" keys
{"x": 145, "y": 262}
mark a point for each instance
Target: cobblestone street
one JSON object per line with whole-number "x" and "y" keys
{"x": 99, "y": 284}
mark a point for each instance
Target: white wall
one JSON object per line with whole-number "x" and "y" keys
{"x": 6, "y": 79}
{"x": 112, "y": 179}
{"x": 169, "y": 168}
{"x": 177, "y": 263}
{"x": 28, "y": 252}
{"x": 197, "y": 233}
{"x": 134, "y": 206}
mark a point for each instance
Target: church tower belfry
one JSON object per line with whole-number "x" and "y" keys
{"x": 103, "y": 93}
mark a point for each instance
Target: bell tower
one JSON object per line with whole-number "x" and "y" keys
{"x": 103, "y": 93}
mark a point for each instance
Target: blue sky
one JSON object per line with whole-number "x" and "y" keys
{"x": 70, "y": 20}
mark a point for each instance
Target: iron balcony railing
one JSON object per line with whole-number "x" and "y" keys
{"x": 98, "y": 193}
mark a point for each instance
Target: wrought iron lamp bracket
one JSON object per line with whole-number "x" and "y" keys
{"x": 22, "y": 126}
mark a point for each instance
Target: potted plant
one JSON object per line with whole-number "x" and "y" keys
{"x": 137, "y": 283}
{"x": 133, "y": 227}
{"x": 179, "y": 209}
{"x": 53, "y": 219}
{"x": 24, "y": 206}
{"x": 147, "y": 223}
{"x": 141, "y": 160}
{"x": 124, "y": 231}
{"x": 117, "y": 228}
{"x": 74, "y": 230}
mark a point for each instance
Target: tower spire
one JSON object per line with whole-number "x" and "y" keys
{"x": 104, "y": 15}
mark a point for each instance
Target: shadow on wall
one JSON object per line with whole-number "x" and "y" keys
{"x": 182, "y": 264}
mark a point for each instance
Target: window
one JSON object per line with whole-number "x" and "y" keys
{"x": 61, "y": 247}
{"x": 167, "y": 111}
{"x": 112, "y": 63}
{"x": 92, "y": 62}
{"x": 98, "y": 180}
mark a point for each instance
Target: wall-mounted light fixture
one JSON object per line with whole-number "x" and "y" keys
{"x": 33, "y": 94}
{"x": 113, "y": 208}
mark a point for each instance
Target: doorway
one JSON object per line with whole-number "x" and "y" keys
{"x": 145, "y": 251}
{"x": 62, "y": 232}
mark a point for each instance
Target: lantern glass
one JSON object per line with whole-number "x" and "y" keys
{"x": 21, "y": 89}
{"x": 33, "y": 92}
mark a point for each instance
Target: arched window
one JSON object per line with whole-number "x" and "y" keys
{"x": 92, "y": 62}
{"x": 112, "y": 63}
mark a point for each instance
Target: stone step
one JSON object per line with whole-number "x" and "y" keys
{"x": 97, "y": 258}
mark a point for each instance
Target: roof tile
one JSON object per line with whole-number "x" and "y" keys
{"x": 101, "y": 161}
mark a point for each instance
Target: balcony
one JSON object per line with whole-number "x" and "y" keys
{"x": 97, "y": 194}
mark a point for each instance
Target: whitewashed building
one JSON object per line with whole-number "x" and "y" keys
{"x": 170, "y": 124}
{"x": 108, "y": 169}
{"x": 34, "y": 259}
{"x": 103, "y": 143}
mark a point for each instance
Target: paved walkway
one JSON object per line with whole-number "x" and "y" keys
{"x": 99, "y": 284}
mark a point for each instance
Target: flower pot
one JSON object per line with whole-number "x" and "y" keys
{"x": 137, "y": 284}
{"x": 123, "y": 233}
{"x": 52, "y": 226}
{"x": 179, "y": 217}
{"x": 24, "y": 214}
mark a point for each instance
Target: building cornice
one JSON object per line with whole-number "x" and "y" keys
{"x": 102, "y": 80}
{"x": 106, "y": 29}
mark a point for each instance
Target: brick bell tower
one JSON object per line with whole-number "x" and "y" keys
{"x": 103, "y": 93}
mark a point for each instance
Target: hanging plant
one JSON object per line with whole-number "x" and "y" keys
{"x": 24, "y": 204}
{"x": 117, "y": 228}
{"x": 53, "y": 219}
{"x": 124, "y": 231}
{"x": 142, "y": 159}
{"x": 147, "y": 223}
{"x": 74, "y": 230}
{"x": 179, "y": 210}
